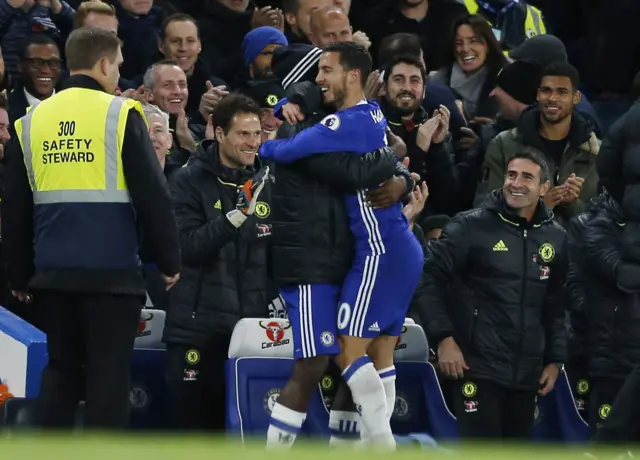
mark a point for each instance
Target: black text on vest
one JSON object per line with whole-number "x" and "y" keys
{"x": 67, "y": 151}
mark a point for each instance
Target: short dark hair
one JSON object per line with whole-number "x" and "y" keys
{"x": 562, "y": 69}
{"x": 290, "y": 6}
{"x": 232, "y": 105}
{"x": 178, "y": 17}
{"x": 404, "y": 59}
{"x": 352, "y": 57}
{"x": 34, "y": 39}
{"x": 400, "y": 43}
{"x": 536, "y": 159}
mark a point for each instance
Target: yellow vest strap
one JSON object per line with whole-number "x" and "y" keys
{"x": 110, "y": 194}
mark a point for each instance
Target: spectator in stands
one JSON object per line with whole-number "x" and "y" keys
{"x": 431, "y": 20}
{"x": 433, "y": 225}
{"x": 160, "y": 134}
{"x": 297, "y": 13}
{"x": 426, "y": 138}
{"x": 96, "y": 13}
{"x": 39, "y": 68}
{"x": 329, "y": 24}
{"x": 557, "y": 132}
{"x": 513, "y": 22}
{"x": 258, "y": 47}
{"x": 180, "y": 41}
{"x": 159, "y": 131}
{"x": 495, "y": 312}
{"x": 472, "y": 63}
{"x": 267, "y": 93}
{"x": 224, "y": 255}
{"x": 543, "y": 50}
{"x": 5, "y": 83}
{"x": 20, "y": 18}
{"x": 223, "y": 24}
{"x": 165, "y": 85}
{"x": 139, "y": 29}
{"x": 435, "y": 93}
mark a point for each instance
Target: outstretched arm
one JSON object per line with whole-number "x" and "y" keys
{"x": 323, "y": 137}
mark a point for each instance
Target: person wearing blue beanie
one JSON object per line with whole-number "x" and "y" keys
{"x": 258, "y": 46}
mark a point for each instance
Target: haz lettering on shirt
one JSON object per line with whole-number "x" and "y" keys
{"x": 67, "y": 151}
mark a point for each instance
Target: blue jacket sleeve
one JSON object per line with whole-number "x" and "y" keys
{"x": 311, "y": 141}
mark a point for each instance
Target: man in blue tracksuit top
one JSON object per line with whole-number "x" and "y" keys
{"x": 388, "y": 260}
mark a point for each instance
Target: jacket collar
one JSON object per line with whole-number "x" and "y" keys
{"x": 497, "y": 204}
{"x": 394, "y": 116}
{"x": 82, "y": 81}
{"x": 581, "y": 135}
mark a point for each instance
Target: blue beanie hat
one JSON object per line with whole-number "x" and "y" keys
{"x": 258, "y": 39}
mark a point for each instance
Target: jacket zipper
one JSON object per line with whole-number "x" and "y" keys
{"x": 522, "y": 297}
{"x": 196, "y": 300}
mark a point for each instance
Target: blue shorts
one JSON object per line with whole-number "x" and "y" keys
{"x": 313, "y": 314}
{"x": 378, "y": 290}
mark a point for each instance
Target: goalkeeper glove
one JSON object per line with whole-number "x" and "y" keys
{"x": 248, "y": 198}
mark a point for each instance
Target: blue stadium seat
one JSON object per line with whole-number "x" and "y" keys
{"x": 260, "y": 364}
{"x": 420, "y": 407}
{"x": 574, "y": 429}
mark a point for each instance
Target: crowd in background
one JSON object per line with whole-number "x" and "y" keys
{"x": 559, "y": 83}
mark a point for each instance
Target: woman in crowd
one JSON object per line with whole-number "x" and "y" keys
{"x": 474, "y": 59}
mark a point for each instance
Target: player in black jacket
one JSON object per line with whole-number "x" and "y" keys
{"x": 494, "y": 285}
{"x": 312, "y": 241}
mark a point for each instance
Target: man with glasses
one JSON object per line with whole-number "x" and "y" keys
{"x": 39, "y": 66}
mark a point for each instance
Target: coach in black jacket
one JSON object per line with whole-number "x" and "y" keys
{"x": 494, "y": 285}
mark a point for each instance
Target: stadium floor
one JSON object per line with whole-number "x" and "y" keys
{"x": 169, "y": 447}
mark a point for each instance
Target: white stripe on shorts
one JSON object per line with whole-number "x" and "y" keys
{"x": 306, "y": 321}
{"x": 363, "y": 299}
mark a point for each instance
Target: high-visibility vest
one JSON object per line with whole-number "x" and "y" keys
{"x": 533, "y": 23}
{"x": 72, "y": 145}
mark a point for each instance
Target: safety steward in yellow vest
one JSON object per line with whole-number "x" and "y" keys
{"x": 512, "y": 21}
{"x": 83, "y": 181}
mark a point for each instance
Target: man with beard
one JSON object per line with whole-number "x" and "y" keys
{"x": 493, "y": 286}
{"x": 559, "y": 134}
{"x": 366, "y": 326}
{"x": 428, "y": 148}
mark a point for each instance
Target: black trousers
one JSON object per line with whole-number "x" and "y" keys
{"x": 486, "y": 410}
{"x": 603, "y": 393}
{"x": 196, "y": 381}
{"x": 622, "y": 425}
{"x": 90, "y": 343}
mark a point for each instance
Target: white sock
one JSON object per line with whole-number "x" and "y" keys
{"x": 388, "y": 377}
{"x": 284, "y": 426}
{"x": 368, "y": 394}
{"x": 344, "y": 427}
